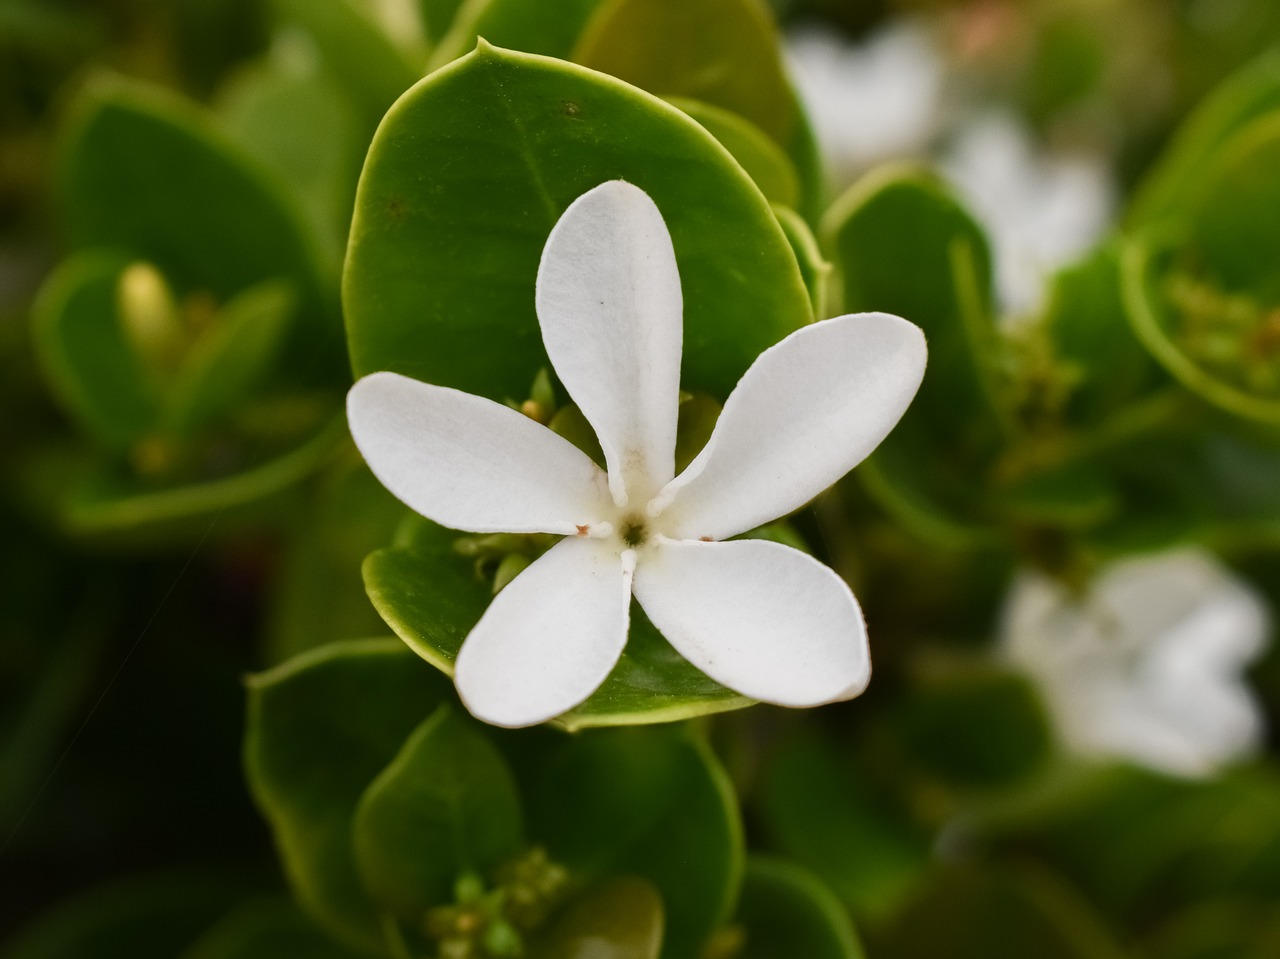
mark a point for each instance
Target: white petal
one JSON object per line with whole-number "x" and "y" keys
{"x": 807, "y": 411}
{"x": 550, "y": 638}
{"x": 608, "y": 299}
{"x": 470, "y": 463}
{"x": 761, "y": 618}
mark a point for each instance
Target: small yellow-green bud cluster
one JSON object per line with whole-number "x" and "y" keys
{"x": 493, "y": 923}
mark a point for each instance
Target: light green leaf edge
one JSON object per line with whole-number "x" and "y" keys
{"x": 756, "y": 152}
{"x": 1138, "y": 257}
{"x": 771, "y": 874}
{"x": 84, "y": 514}
{"x": 1248, "y": 94}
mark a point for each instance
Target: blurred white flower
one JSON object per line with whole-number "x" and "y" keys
{"x": 868, "y": 102}
{"x": 763, "y": 619}
{"x": 1147, "y": 664}
{"x": 1041, "y": 210}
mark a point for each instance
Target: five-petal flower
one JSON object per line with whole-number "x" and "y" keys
{"x": 763, "y": 619}
{"x": 1145, "y": 665}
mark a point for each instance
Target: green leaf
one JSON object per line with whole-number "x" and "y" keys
{"x": 1089, "y": 327}
{"x": 976, "y": 727}
{"x": 85, "y": 356}
{"x": 1233, "y": 230}
{"x": 96, "y": 501}
{"x": 357, "y": 51}
{"x": 441, "y": 265}
{"x": 266, "y": 929}
{"x": 786, "y": 911}
{"x": 649, "y": 802}
{"x": 431, "y": 597}
{"x": 818, "y": 809}
{"x": 902, "y": 244}
{"x": 320, "y": 728}
{"x": 1177, "y": 178}
{"x": 722, "y": 52}
{"x": 813, "y": 265}
{"x": 146, "y": 173}
{"x": 516, "y": 25}
{"x": 764, "y": 161}
{"x": 1204, "y": 348}
{"x": 296, "y": 120}
{"x": 150, "y": 917}
{"x": 318, "y": 595}
{"x": 619, "y": 919}
{"x": 437, "y": 15}
{"x": 231, "y": 358}
{"x": 445, "y": 807}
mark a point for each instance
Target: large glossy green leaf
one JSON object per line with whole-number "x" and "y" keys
{"x": 320, "y": 728}
{"x": 1177, "y": 179}
{"x": 763, "y": 159}
{"x": 467, "y": 176}
{"x": 651, "y": 802}
{"x": 786, "y": 911}
{"x": 85, "y": 355}
{"x": 620, "y": 919}
{"x": 445, "y": 807}
{"x": 902, "y": 244}
{"x": 525, "y": 25}
{"x": 266, "y": 929}
{"x": 723, "y": 52}
{"x": 150, "y": 175}
{"x": 431, "y": 597}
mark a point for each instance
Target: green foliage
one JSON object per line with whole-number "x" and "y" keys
{"x": 187, "y": 327}
{"x": 622, "y": 919}
{"x": 446, "y": 806}
{"x": 887, "y": 232}
{"x": 432, "y": 293}
{"x": 721, "y": 52}
{"x": 381, "y": 813}
{"x": 785, "y": 910}
{"x": 147, "y": 174}
{"x": 312, "y": 749}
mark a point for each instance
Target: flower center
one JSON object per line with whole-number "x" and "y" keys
{"x": 633, "y": 531}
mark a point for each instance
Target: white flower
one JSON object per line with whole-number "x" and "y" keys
{"x": 1146, "y": 665}
{"x": 872, "y": 101}
{"x": 765, "y": 620}
{"x": 1042, "y": 210}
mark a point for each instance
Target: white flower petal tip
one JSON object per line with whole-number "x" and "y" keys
{"x": 610, "y": 307}
{"x": 470, "y": 463}
{"x": 809, "y": 410}
{"x": 1147, "y": 665}
{"x": 763, "y": 619}
{"x": 549, "y": 639}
